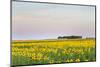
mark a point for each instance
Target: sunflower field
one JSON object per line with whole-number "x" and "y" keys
{"x": 33, "y": 52}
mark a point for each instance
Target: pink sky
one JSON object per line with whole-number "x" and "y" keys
{"x": 44, "y": 21}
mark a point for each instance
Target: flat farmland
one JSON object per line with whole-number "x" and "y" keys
{"x": 32, "y": 52}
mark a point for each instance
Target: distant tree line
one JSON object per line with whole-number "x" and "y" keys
{"x": 69, "y": 37}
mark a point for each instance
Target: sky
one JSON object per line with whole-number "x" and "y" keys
{"x": 48, "y": 21}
